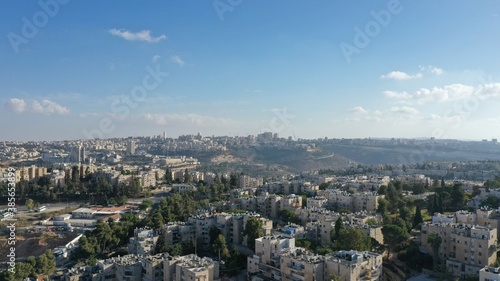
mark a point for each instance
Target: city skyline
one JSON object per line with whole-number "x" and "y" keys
{"x": 76, "y": 70}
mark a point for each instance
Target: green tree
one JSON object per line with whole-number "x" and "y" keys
{"x": 253, "y": 230}
{"x": 46, "y": 263}
{"x": 406, "y": 214}
{"x": 457, "y": 197}
{"x": 30, "y": 204}
{"x": 103, "y": 234}
{"x": 372, "y": 221}
{"x": 175, "y": 250}
{"x": 168, "y": 176}
{"x": 213, "y": 233}
{"x": 187, "y": 176}
{"x": 339, "y": 226}
{"x": 162, "y": 243}
{"x": 146, "y": 204}
{"x": 417, "y": 219}
{"x": 353, "y": 239}
{"x": 220, "y": 247}
{"x": 435, "y": 241}
{"x": 382, "y": 206}
{"x": 122, "y": 200}
{"x": 158, "y": 220}
{"x": 288, "y": 216}
{"x": 393, "y": 236}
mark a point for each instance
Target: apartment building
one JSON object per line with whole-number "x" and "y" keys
{"x": 489, "y": 273}
{"x": 265, "y": 263}
{"x": 190, "y": 267}
{"x": 413, "y": 179}
{"x": 179, "y": 232}
{"x": 143, "y": 242}
{"x": 247, "y": 181}
{"x": 366, "y": 201}
{"x": 152, "y": 267}
{"x": 291, "y": 201}
{"x": 161, "y": 267}
{"x": 360, "y": 201}
{"x": 300, "y": 264}
{"x": 277, "y": 258}
{"x": 317, "y": 201}
{"x": 128, "y": 267}
{"x": 466, "y": 248}
{"x": 484, "y": 216}
{"x": 354, "y": 265}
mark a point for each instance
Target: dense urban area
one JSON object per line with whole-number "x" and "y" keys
{"x": 257, "y": 208}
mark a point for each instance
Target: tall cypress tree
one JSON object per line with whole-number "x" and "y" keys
{"x": 417, "y": 219}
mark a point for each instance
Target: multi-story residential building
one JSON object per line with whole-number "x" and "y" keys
{"x": 277, "y": 258}
{"x": 161, "y": 267}
{"x": 183, "y": 187}
{"x": 361, "y": 201}
{"x": 489, "y": 273}
{"x": 178, "y": 232}
{"x": 317, "y": 201}
{"x": 353, "y": 265}
{"x": 247, "y": 181}
{"x": 143, "y": 242}
{"x": 300, "y": 264}
{"x": 265, "y": 263}
{"x": 128, "y": 267}
{"x": 190, "y": 267}
{"x": 291, "y": 201}
{"x": 366, "y": 201}
{"x": 153, "y": 268}
{"x": 465, "y": 248}
{"x": 483, "y": 216}
{"x": 413, "y": 179}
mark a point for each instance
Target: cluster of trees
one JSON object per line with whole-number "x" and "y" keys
{"x": 447, "y": 199}
{"x": 76, "y": 186}
{"x": 176, "y": 207}
{"x": 253, "y": 230}
{"x": 349, "y": 239}
{"x": 288, "y": 216}
{"x": 44, "y": 264}
{"x": 106, "y": 238}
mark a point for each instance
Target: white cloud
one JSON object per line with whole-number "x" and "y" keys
{"x": 155, "y": 58}
{"x": 46, "y": 107}
{"x": 143, "y": 35}
{"x": 357, "y": 110}
{"x": 403, "y": 110}
{"x": 432, "y": 69}
{"x": 400, "y": 75}
{"x": 16, "y": 105}
{"x": 452, "y": 92}
{"x": 177, "y": 60}
{"x": 396, "y": 95}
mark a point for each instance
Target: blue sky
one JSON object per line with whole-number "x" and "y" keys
{"x": 324, "y": 69}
